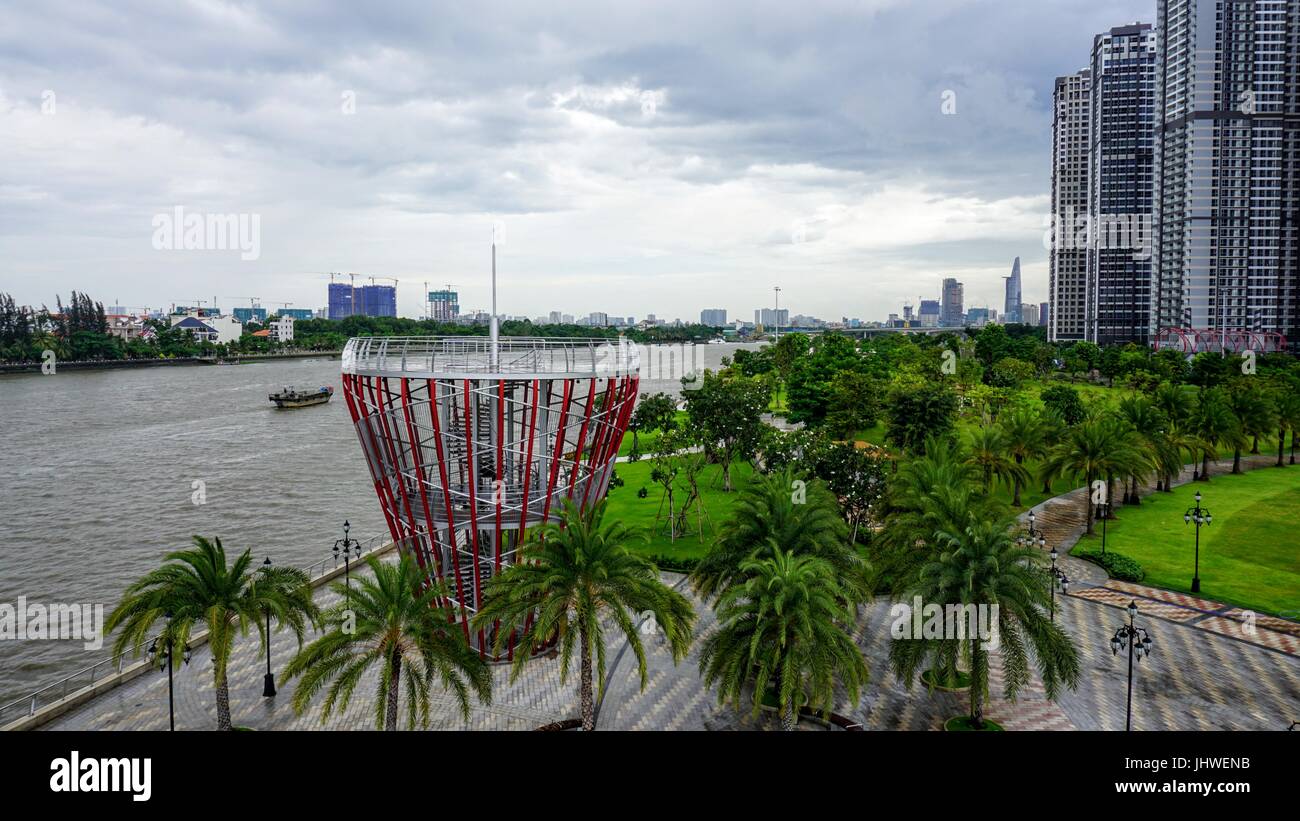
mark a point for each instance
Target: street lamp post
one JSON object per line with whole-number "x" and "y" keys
{"x": 1035, "y": 536}
{"x": 1059, "y": 579}
{"x": 347, "y": 545}
{"x": 1201, "y": 516}
{"x": 1103, "y": 513}
{"x": 268, "y": 681}
{"x": 164, "y": 654}
{"x": 1138, "y": 643}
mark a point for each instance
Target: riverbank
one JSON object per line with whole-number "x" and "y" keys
{"x": 113, "y": 364}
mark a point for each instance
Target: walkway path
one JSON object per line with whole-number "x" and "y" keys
{"x": 1063, "y": 523}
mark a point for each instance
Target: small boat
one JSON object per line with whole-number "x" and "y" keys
{"x": 290, "y": 398}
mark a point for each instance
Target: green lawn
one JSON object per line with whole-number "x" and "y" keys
{"x": 647, "y": 440}
{"x": 639, "y": 514}
{"x": 1250, "y": 554}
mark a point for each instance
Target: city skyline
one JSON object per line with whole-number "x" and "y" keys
{"x": 867, "y": 208}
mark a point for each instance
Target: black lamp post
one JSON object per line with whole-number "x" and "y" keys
{"x": 1103, "y": 513}
{"x": 1201, "y": 516}
{"x": 1035, "y": 536}
{"x": 268, "y": 681}
{"x": 164, "y": 654}
{"x": 1059, "y": 579}
{"x": 1138, "y": 643}
{"x": 347, "y": 545}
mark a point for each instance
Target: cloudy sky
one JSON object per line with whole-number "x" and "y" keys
{"x": 657, "y": 157}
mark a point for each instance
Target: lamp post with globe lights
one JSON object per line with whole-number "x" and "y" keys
{"x": 1138, "y": 642}
{"x": 1201, "y": 516}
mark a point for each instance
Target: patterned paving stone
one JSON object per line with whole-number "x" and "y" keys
{"x": 1107, "y": 595}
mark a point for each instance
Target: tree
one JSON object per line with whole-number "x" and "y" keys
{"x": 989, "y": 452}
{"x": 658, "y": 411}
{"x": 1174, "y": 401}
{"x": 1149, "y": 426}
{"x": 1010, "y": 372}
{"x": 790, "y": 348}
{"x": 916, "y": 412}
{"x": 811, "y": 381}
{"x": 981, "y": 565}
{"x": 1065, "y": 402}
{"x": 784, "y": 630}
{"x": 1215, "y": 426}
{"x": 855, "y": 475}
{"x": 778, "y": 512}
{"x": 1095, "y": 448}
{"x": 399, "y": 620}
{"x": 1255, "y": 414}
{"x": 853, "y": 403}
{"x": 198, "y": 585}
{"x": 576, "y": 577}
{"x": 1288, "y": 418}
{"x": 727, "y": 417}
{"x": 1025, "y": 435}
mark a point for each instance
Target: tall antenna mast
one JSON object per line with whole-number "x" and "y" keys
{"x": 494, "y": 341}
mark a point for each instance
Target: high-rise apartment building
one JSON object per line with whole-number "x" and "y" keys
{"x": 772, "y": 318}
{"x": 951, "y": 311}
{"x": 1226, "y": 187}
{"x": 1067, "y": 259}
{"x": 713, "y": 317}
{"x": 444, "y": 305}
{"x": 1120, "y": 180}
{"x": 368, "y": 300}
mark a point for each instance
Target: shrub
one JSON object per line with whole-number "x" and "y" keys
{"x": 1116, "y": 565}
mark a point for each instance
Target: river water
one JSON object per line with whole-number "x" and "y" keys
{"x": 100, "y": 472}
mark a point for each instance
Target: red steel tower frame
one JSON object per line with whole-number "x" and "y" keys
{"x": 470, "y": 443}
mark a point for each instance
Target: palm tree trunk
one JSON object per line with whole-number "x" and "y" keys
{"x": 976, "y": 687}
{"x": 584, "y": 687}
{"x": 1254, "y": 444}
{"x": 223, "y": 702}
{"x": 1205, "y": 466}
{"x": 1236, "y": 460}
{"x": 1281, "y": 442}
{"x": 1087, "y": 503}
{"x": 1015, "y": 501}
{"x": 390, "y": 709}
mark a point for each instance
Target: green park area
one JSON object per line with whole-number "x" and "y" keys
{"x": 1250, "y": 553}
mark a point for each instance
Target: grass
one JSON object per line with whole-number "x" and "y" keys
{"x": 639, "y": 514}
{"x": 1249, "y": 556}
{"x": 646, "y": 440}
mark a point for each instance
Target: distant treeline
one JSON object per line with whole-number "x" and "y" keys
{"x": 79, "y": 331}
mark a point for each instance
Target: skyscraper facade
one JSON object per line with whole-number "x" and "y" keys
{"x": 1067, "y": 258}
{"x": 1228, "y": 138}
{"x": 1120, "y": 169}
{"x": 952, "y": 310}
{"x": 1011, "y": 303}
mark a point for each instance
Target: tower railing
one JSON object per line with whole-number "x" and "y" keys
{"x": 473, "y": 355}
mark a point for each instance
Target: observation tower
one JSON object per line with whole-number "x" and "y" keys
{"x": 472, "y": 441}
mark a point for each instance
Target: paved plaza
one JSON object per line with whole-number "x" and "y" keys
{"x": 1207, "y": 671}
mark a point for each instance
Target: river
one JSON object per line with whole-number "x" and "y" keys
{"x": 101, "y": 473}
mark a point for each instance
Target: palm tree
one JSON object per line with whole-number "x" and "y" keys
{"x": 980, "y": 564}
{"x": 570, "y": 578}
{"x": 1255, "y": 414}
{"x": 1215, "y": 426}
{"x": 781, "y": 512}
{"x": 1096, "y": 447}
{"x": 392, "y": 619}
{"x": 784, "y": 630}
{"x": 1174, "y": 401}
{"x": 1025, "y": 435}
{"x": 1288, "y": 418}
{"x": 197, "y": 585}
{"x": 1149, "y": 425}
{"x": 990, "y": 454}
